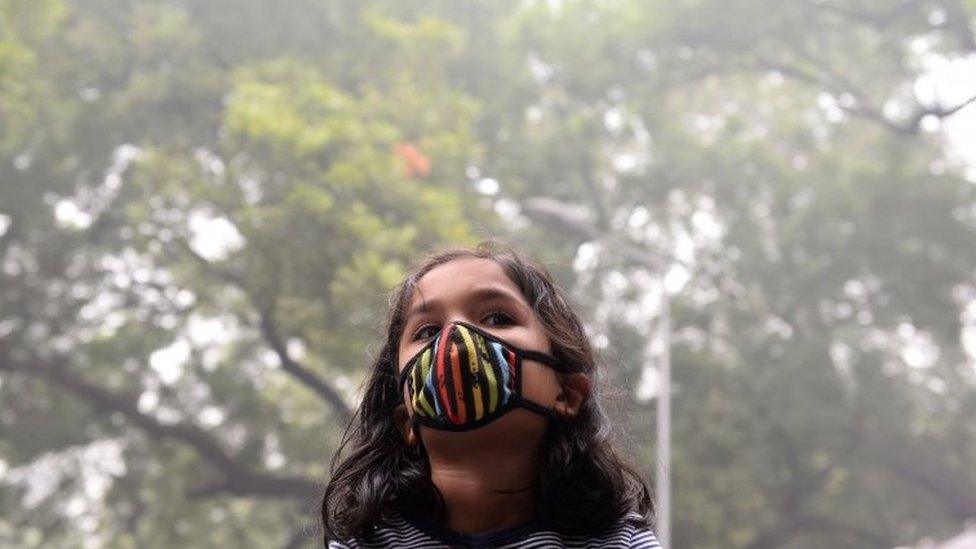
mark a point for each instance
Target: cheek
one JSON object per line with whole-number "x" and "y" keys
{"x": 403, "y": 354}
{"x": 540, "y": 384}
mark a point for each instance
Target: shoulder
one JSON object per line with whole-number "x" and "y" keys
{"x": 390, "y": 531}
{"x": 630, "y": 532}
{"x": 641, "y": 536}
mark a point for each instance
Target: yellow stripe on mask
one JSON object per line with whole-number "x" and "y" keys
{"x": 473, "y": 365}
{"x": 420, "y": 395}
{"x": 490, "y": 374}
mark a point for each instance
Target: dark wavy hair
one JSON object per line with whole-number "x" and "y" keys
{"x": 585, "y": 485}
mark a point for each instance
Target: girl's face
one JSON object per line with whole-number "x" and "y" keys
{"x": 478, "y": 291}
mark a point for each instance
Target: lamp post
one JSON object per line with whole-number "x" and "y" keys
{"x": 577, "y": 219}
{"x": 662, "y": 486}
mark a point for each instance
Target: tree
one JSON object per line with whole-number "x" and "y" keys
{"x": 774, "y": 144}
{"x": 203, "y": 205}
{"x": 196, "y": 251}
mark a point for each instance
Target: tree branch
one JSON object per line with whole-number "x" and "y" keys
{"x": 576, "y": 222}
{"x": 957, "y": 22}
{"x": 835, "y": 83}
{"x": 269, "y": 331}
{"x": 236, "y": 478}
{"x": 951, "y": 488}
{"x": 301, "y": 373}
{"x": 879, "y": 21}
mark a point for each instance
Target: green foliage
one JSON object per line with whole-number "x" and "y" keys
{"x": 204, "y": 205}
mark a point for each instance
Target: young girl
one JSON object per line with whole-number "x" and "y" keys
{"x": 478, "y": 427}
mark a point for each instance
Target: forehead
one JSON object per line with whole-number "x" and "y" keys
{"x": 455, "y": 278}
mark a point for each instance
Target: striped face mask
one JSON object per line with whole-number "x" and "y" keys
{"x": 466, "y": 378}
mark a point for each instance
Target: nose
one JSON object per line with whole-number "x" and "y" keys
{"x": 448, "y": 326}
{"x": 452, "y": 321}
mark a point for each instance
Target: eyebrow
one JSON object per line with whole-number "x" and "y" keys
{"x": 483, "y": 293}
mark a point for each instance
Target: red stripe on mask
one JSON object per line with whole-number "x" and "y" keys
{"x": 441, "y": 374}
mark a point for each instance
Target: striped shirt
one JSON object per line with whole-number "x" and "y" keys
{"x": 396, "y": 531}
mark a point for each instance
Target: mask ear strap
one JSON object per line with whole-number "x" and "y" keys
{"x": 537, "y": 408}
{"x": 544, "y": 358}
{"x": 415, "y": 425}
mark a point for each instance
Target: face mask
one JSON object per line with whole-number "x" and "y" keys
{"x": 466, "y": 378}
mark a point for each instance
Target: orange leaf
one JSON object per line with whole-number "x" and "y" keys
{"x": 416, "y": 163}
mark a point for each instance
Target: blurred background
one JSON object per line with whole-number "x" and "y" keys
{"x": 204, "y": 205}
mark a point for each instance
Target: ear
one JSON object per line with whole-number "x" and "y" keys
{"x": 575, "y": 389}
{"x": 401, "y": 418}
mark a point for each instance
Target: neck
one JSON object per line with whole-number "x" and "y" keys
{"x": 485, "y": 485}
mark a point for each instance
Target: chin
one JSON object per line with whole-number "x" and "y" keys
{"x": 516, "y": 429}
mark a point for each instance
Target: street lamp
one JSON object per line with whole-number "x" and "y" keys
{"x": 578, "y": 220}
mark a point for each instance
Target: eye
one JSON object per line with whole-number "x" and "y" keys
{"x": 419, "y": 332}
{"x": 500, "y": 319}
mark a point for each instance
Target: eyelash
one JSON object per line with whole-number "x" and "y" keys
{"x": 416, "y": 332}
